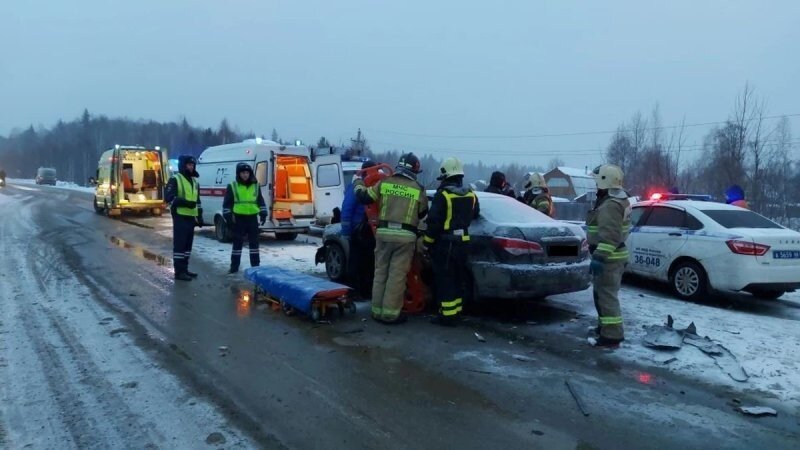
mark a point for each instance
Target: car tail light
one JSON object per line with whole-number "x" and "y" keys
{"x": 747, "y": 248}
{"x": 518, "y": 247}
{"x": 584, "y": 246}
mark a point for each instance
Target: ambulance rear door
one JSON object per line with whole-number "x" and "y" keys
{"x": 326, "y": 172}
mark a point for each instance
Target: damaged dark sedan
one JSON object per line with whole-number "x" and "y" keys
{"x": 516, "y": 252}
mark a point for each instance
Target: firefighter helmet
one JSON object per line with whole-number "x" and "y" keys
{"x": 410, "y": 162}
{"x": 608, "y": 176}
{"x": 534, "y": 180}
{"x": 450, "y": 167}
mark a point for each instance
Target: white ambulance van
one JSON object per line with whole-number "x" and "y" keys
{"x": 294, "y": 182}
{"x": 131, "y": 179}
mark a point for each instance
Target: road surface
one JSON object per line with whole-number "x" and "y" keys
{"x": 101, "y": 349}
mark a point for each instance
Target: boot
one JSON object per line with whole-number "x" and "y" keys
{"x": 183, "y": 276}
{"x": 233, "y": 270}
{"x": 191, "y": 274}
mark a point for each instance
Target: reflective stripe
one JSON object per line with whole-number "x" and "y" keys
{"x": 455, "y": 302}
{"x": 429, "y": 240}
{"x": 611, "y": 320}
{"x": 393, "y": 232}
{"x": 449, "y": 199}
{"x": 465, "y": 238}
{"x": 606, "y": 248}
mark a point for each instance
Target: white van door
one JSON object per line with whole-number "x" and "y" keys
{"x": 326, "y": 171}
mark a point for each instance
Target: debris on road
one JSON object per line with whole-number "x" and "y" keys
{"x": 524, "y": 358}
{"x": 223, "y": 350}
{"x": 578, "y": 400}
{"x": 666, "y": 337}
{"x": 669, "y": 361}
{"x": 757, "y": 411}
{"x": 479, "y": 337}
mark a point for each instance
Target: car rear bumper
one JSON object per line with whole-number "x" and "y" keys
{"x": 746, "y": 274}
{"x": 529, "y": 280}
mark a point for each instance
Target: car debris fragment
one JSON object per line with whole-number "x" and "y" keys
{"x": 757, "y": 411}
{"x": 479, "y": 337}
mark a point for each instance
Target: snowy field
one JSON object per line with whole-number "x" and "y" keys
{"x": 59, "y": 184}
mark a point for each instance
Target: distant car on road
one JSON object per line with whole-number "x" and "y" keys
{"x": 516, "y": 252}
{"x": 46, "y": 175}
{"x": 698, "y": 246}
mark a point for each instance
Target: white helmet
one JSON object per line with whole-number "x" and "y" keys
{"x": 534, "y": 180}
{"x": 450, "y": 167}
{"x": 608, "y": 176}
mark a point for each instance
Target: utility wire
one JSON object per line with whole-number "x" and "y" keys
{"x": 577, "y": 133}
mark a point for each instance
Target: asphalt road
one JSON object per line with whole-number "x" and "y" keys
{"x": 287, "y": 383}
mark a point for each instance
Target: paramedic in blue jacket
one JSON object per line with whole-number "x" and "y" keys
{"x": 361, "y": 261}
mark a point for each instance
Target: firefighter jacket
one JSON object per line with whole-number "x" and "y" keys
{"x": 608, "y": 226}
{"x": 541, "y": 202}
{"x": 183, "y": 195}
{"x": 402, "y": 203}
{"x": 452, "y": 210}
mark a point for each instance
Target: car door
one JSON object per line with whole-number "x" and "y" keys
{"x": 661, "y": 235}
{"x": 328, "y": 186}
{"x": 637, "y": 215}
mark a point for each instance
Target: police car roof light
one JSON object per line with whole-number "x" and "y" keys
{"x": 667, "y": 196}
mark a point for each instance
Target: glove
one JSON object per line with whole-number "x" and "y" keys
{"x": 263, "y": 218}
{"x": 596, "y": 267}
{"x": 199, "y": 218}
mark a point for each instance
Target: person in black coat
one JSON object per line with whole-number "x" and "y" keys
{"x": 242, "y": 208}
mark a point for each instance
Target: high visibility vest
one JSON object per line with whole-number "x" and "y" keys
{"x": 187, "y": 190}
{"x": 399, "y": 213}
{"x": 245, "y": 199}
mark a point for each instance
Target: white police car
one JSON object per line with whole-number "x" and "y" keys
{"x": 699, "y": 246}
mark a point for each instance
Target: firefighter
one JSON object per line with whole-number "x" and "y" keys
{"x": 537, "y": 194}
{"x": 499, "y": 185}
{"x": 447, "y": 239}
{"x": 608, "y": 225}
{"x": 182, "y": 194}
{"x": 734, "y": 195}
{"x": 243, "y": 208}
{"x": 356, "y": 228}
{"x": 402, "y": 204}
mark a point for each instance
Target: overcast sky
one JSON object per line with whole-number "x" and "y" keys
{"x": 434, "y": 67}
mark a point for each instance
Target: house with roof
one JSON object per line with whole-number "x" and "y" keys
{"x": 571, "y": 183}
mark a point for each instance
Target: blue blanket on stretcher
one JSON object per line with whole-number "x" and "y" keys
{"x": 297, "y": 289}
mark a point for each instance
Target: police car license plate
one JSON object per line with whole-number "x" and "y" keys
{"x": 786, "y": 254}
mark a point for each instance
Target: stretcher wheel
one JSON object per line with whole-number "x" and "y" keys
{"x": 315, "y": 314}
{"x": 288, "y": 310}
{"x": 351, "y": 306}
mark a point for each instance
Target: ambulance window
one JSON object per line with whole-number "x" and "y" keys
{"x": 328, "y": 175}
{"x": 666, "y": 217}
{"x": 261, "y": 173}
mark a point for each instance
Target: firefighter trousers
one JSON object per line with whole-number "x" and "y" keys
{"x": 605, "y": 290}
{"x": 182, "y": 240}
{"x": 392, "y": 263}
{"x": 245, "y": 226}
{"x": 449, "y": 256}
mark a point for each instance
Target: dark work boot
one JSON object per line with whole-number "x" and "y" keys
{"x": 233, "y": 269}
{"x": 183, "y": 276}
{"x": 191, "y": 274}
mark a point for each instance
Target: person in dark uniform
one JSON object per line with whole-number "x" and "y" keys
{"x": 356, "y": 228}
{"x": 447, "y": 239}
{"x": 242, "y": 207}
{"x": 183, "y": 195}
{"x": 499, "y": 185}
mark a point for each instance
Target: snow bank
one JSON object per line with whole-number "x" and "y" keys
{"x": 767, "y": 347}
{"x": 68, "y": 185}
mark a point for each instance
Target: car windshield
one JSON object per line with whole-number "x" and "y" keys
{"x": 502, "y": 209}
{"x": 47, "y": 172}
{"x": 740, "y": 219}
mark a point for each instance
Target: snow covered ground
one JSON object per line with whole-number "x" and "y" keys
{"x": 767, "y": 347}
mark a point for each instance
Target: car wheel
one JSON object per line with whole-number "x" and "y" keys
{"x": 689, "y": 281}
{"x": 221, "y": 230}
{"x": 767, "y": 294}
{"x": 335, "y": 262}
{"x": 285, "y": 236}
{"x": 97, "y": 209}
